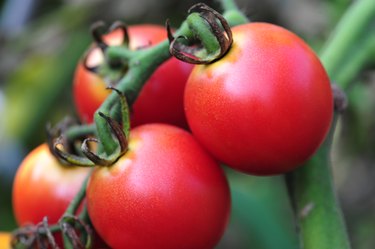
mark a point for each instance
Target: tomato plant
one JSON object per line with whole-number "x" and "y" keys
{"x": 161, "y": 99}
{"x": 165, "y": 192}
{"x": 44, "y": 187}
{"x": 266, "y": 106}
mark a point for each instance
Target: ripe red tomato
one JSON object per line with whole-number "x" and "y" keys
{"x": 165, "y": 192}
{"x": 266, "y": 106}
{"x": 44, "y": 187}
{"x": 161, "y": 99}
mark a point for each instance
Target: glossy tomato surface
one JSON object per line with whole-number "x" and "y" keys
{"x": 44, "y": 187}
{"x": 161, "y": 99}
{"x": 266, "y": 106}
{"x": 164, "y": 193}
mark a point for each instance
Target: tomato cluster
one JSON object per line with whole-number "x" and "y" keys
{"x": 264, "y": 109}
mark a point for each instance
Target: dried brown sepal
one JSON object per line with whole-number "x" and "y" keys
{"x": 69, "y": 158}
{"x": 188, "y": 52}
{"x": 97, "y": 159}
{"x": 48, "y": 233}
{"x": 122, "y": 26}
{"x": 225, "y": 39}
{"x": 57, "y": 133}
{"x": 103, "y": 159}
{"x": 70, "y": 225}
{"x": 34, "y": 236}
{"x": 117, "y": 131}
{"x": 98, "y": 29}
{"x": 125, "y": 112}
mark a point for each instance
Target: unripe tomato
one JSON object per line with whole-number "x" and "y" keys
{"x": 266, "y": 106}
{"x": 166, "y": 192}
{"x": 161, "y": 99}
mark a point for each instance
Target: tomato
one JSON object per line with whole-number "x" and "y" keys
{"x": 44, "y": 187}
{"x": 266, "y": 106}
{"x": 161, "y": 99}
{"x": 5, "y": 239}
{"x": 165, "y": 192}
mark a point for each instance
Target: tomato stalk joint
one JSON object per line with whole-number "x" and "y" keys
{"x": 112, "y": 133}
{"x": 211, "y": 37}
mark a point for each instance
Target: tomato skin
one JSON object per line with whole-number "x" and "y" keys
{"x": 161, "y": 99}
{"x": 44, "y": 187}
{"x": 165, "y": 192}
{"x": 266, "y": 106}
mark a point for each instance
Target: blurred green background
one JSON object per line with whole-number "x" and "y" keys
{"x": 41, "y": 41}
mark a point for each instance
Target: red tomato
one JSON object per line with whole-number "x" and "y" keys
{"x": 165, "y": 192}
{"x": 161, "y": 99}
{"x": 44, "y": 187}
{"x": 266, "y": 106}
{"x": 5, "y": 239}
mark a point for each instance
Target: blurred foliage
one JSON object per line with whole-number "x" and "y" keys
{"x": 36, "y": 70}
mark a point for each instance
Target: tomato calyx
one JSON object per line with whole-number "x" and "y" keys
{"x": 70, "y": 225}
{"x": 76, "y": 232}
{"x": 212, "y": 37}
{"x": 111, "y": 140}
{"x": 39, "y": 235}
{"x": 98, "y": 30}
{"x": 113, "y": 67}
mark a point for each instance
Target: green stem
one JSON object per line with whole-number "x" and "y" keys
{"x": 80, "y": 131}
{"x": 107, "y": 142}
{"x": 73, "y": 207}
{"x": 353, "y": 24}
{"x": 201, "y": 28}
{"x": 349, "y": 71}
{"x": 316, "y": 207}
{"x": 74, "y": 204}
{"x": 233, "y": 14}
{"x": 229, "y": 5}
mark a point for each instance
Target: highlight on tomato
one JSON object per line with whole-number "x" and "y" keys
{"x": 161, "y": 99}
{"x": 266, "y": 106}
{"x": 165, "y": 192}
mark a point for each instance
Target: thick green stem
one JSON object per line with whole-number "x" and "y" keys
{"x": 229, "y": 5}
{"x": 353, "y": 24}
{"x": 349, "y": 71}
{"x": 201, "y": 28}
{"x": 316, "y": 207}
{"x": 141, "y": 67}
{"x": 79, "y": 131}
